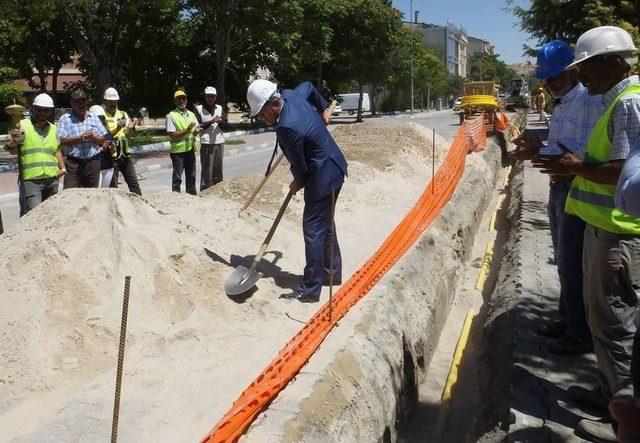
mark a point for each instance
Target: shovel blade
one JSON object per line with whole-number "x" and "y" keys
{"x": 241, "y": 280}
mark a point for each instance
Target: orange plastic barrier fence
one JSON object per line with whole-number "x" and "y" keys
{"x": 301, "y": 347}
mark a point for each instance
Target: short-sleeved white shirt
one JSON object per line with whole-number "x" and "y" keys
{"x": 213, "y": 134}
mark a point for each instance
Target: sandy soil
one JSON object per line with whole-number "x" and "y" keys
{"x": 191, "y": 349}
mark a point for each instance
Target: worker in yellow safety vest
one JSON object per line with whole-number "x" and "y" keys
{"x": 41, "y": 164}
{"x": 182, "y": 127}
{"x": 121, "y": 128}
{"x": 611, "y": 255}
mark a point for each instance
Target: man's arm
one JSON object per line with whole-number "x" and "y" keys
{"x": 293, "y": 144}
{"x": 570, "y": 164}
{"x": 627, "y": 195}
{"x": 62, "y": 170}
{"x": 313, "y": 96}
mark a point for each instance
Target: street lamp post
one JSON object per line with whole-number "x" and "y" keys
{"x": 411, "y": 50}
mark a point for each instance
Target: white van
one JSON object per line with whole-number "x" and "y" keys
{"x": 350, "y": 102}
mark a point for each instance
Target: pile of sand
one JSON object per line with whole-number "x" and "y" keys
{"x": 191, "y": 349}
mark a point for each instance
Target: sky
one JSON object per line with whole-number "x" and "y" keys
{"x": 484, "y": 19}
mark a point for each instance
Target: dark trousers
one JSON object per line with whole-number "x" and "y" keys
{"x": 316, "y": 226}
{"x": 37, "y": 191}
{"x": 126, "y": 166}
{"x": 82, "y": 173}
{"x": 211, "y": 161}
{"x": 635, "y": 364}
{"x": 184, "y": 161}
{"x": 567, "y": 233}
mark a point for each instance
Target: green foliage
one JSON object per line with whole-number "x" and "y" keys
{"x": 9, "y": 95}
{"x": 488, "y": 67}
{"x": 548, "y": 20}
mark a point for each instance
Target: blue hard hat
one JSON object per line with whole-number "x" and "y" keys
{"x": 553, "y": 58}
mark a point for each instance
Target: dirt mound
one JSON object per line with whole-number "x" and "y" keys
{"x": 190, "y": 348}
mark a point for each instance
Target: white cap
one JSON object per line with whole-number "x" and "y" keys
{"x": 111, "y": 94}
{"x": 97, "y": 110}
{"x": 258, "y": 93}
{"x": 43, "y": 101}
{"x": 605, "y": 40}
{"x": 210, "y": 90}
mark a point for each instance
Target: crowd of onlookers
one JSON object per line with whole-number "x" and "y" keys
{"x": 90, "y": 147}
{"x": 592, "y": 157}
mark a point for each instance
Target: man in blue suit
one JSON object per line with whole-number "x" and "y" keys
{"x": 317, "y": 165}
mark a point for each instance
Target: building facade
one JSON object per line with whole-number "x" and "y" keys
{"x": 451, "y": 42}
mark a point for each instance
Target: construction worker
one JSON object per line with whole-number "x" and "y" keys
{"x": 83, "y": 136}
{"x": 121, "y": 128}
{"x": 541, "y": 103}
{"x": 35, "y": 141}
{"x": 573, "y": 119}
{"x": 210, "y": 116}
{"x": 106, "y": 156}
{"x": 317, "y": 165}
{"x": 611, "y": 261}
{"x": 182, "y": 126}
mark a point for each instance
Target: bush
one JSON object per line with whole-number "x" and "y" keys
{"x": 10, "y": 94}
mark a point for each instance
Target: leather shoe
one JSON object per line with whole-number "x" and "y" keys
{"x": 591, "y": 398}
{"x": 302, "y": 298}
{"x": 596, "y": 431}
{"x": 571, "y": 343}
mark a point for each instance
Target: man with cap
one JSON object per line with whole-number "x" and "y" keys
{"x": 83, "y": 136}
{"x": 317, "y": 165}
{"x": 541, "y": 103}
{"x": 121, "y": 128}
{"x": 611, "y": 257}
{"x": 182, "y": 126}
{"x": 35, "y": 141}
{"x": 210, "y": 116}
{"x": 573, "y": 119}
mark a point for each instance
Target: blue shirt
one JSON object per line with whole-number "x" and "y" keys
{"x": 573, "y": 120}
{"x": 70, "y": 125}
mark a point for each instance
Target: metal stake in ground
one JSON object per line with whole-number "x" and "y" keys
{"x": 333, "y": 231}
{"x": 123, "y": 335}
{"x": 433, "y": 163}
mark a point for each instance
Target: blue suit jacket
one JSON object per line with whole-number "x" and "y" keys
{"x": 317, "y": 164}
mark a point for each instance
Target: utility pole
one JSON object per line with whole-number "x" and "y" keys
{"x": 411, "y": 50}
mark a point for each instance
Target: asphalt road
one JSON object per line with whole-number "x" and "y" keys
{"x": 159, "y": 180}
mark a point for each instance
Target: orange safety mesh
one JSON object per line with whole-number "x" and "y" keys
{"x": 470, "y": 137}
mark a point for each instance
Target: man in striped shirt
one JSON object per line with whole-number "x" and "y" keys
{"x": 82, "y": 136}
{"x": 574, "y": 116}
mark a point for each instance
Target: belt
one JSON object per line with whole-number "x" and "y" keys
{"x": 82, "y": 160}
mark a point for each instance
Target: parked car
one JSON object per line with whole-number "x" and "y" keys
{"x": 337, "y": 110}
{"x": 456, "y": 103}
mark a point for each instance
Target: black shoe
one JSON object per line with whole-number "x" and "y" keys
{"x": 596, "y": 431}
{"x": 591, "y": 398}
{"x": 571, "y": 343}
{"x": 302, "y": 298}
{"x": 553, "y": 329}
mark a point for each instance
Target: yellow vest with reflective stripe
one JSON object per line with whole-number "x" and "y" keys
{"x": 121, "y": 139}
{"x": 37, "y": 154}
{"x": 187, "y": 142}
{"x": 594, "y": 202}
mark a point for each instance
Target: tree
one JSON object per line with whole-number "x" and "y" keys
{"x": 548, "y": 20}
{"x": 37, "y": 41}
{"x": 488, "y": 67}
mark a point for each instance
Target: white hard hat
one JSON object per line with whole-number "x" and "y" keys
{"x": 43, "y": 101}
{"x": 210, "y": 90}
{"x": 97, "y": 110}
{"x": 258, "y": 93}
{"x": 111, "y": 94}
{"x": 605, "y": 40}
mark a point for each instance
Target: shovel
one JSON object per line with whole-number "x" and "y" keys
{"x": 242, "y": 278}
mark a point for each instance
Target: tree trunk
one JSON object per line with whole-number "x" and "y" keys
{"x": 223, "y": 50}
{"x": 372, "y": 98}
{"x": 54, "y": 81}
{"x": 42, "y": 76}
{"x": 103, "y": 79}
{"x": 361, "y": 90}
